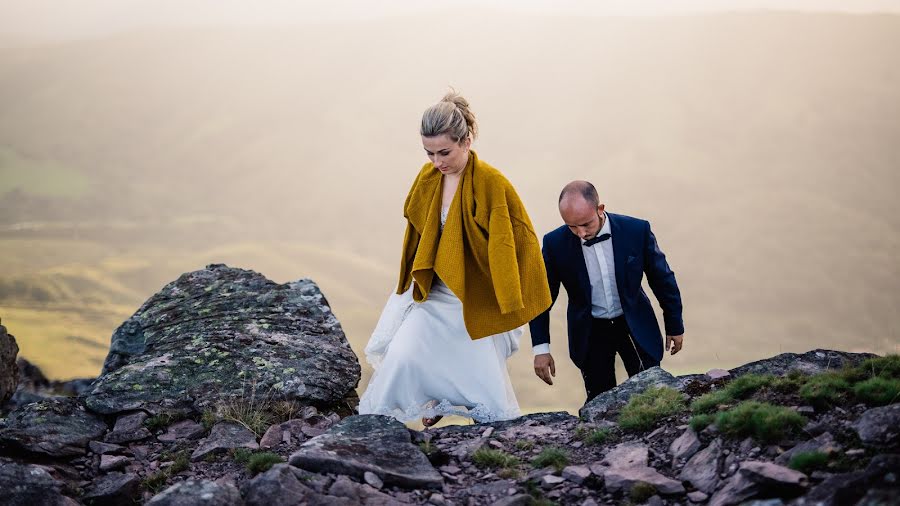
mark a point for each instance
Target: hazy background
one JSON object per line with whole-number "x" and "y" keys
{"x": 143, "y": 139}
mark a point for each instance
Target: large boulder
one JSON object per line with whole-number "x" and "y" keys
{"x": 374, "y": 443}
{"x": 597, "y": 408}
{"x": 51, "y": 428}
{"x": 880, "y": 427}
{"x": 221, "y": 334}
{"x": 811, "y": 362}
{"x": 9, "y": 373}
{"x": 198, "y": 492}
{"x": 29, "y": 485}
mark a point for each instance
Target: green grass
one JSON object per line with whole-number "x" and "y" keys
{"x": 762, "y": 421}
{"x": 791, "y": 383}
{"x": 878, "y": 391}
{"x": 650, "y": 406}
{"x": 807, "y": 462}
{"x": 524, "y": 445}
{"x": 155, "y": 482}
{"x": 887, "y": 366}
{"x": 181, "y": 462}
{"x": 702, "y": 421}
{"x": 263, "y": 461}
{"x": 208, "y": 419}
{"x": 552, "y": 456}
{"x": 597, "y": 437}
{"x": 493, "y": 459}
{"x": 241, "y": 455}
{"x": 739, "y": 388}
{"x": 825, "y": 390}
{"x": 641, "y": 491}
{"x": 709, "y": 403}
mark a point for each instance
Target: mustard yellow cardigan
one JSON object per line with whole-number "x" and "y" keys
{"x": 487, "y": 254}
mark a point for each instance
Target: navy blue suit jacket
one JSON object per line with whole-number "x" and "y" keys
{"x": 635, "y": 253}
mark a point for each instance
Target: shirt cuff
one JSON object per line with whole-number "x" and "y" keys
{"x": 541, "y": 349}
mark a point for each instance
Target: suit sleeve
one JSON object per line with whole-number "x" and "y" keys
{"x": 662, "y": 281}
{"x": 540, "y": 325}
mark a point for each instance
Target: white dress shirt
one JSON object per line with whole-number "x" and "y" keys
{"x": 601, "y": 268}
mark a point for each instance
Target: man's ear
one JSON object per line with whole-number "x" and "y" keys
{"x": 601, "y": 207}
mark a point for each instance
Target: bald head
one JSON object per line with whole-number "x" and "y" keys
{"x": 582, "y": 189}
{"x": 580, "y": 208}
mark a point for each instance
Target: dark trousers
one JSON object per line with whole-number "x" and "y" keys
{"x": 609, "y": 337}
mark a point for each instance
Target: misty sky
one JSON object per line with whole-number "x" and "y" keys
{"x": 52, "y": 20}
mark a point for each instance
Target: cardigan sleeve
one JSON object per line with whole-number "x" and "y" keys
{"x": 503, "y": 262}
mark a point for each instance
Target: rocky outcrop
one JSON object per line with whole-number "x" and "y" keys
{"x": 51, "y": 428}
{"x": 374, "y": 443}
{"x": 811, "y": 362}
{"x": 223, "y": 333}
{"x": 619, "y": 396}
{"x": 9, "y": 372}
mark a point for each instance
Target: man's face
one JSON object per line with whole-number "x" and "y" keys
{"x": 582, "y": 218}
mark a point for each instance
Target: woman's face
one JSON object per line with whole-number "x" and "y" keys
{"x": 447, "y": 156}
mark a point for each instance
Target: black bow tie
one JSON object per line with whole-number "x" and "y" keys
{"x": 595, "y": 240}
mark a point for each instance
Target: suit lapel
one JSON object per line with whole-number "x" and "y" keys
{"x": 618, "y": 242}
{"x": 577, "y": 258}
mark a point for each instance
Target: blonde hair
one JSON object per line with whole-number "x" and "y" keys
{"x": 451, "y": 116}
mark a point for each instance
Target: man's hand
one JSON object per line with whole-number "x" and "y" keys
{"x": 544, "y": 367}
{"x": 672, "y": 342}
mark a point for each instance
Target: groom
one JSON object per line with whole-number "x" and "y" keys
{"x": 600, "y": 259}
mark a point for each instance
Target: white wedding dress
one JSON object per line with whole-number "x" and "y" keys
{"x": 427, "y": 365}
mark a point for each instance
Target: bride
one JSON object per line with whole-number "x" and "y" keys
{"x": 471, "y": 276}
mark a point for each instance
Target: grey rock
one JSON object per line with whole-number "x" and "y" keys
{"x": 551, "y": 481}
{"x": 811, "y": 362}
{"x": 53, "y": 428}
{"x": 179, "y": 351}
{"x": 373, "y": 480}
{"x": 824, "y": 443}
{"x": 702, "y": 470}
{"x": 113, "y": 489}
{"x": 9, "y": 372}
{"x": 101, "y": 448}
{"x": 375, "y": 443}
{"x": 112, "y": 462}
{"x": 193, "y": 492}
{"x": 129, "y": 427}
{"x": 600, "y": 405}
{"x": 624, "y": 478}
{"x": 344, "y": 488}
{"x": 576, "y": 474}
{"x": 225, "y": 436}
{"x": 289, "y": 432}
{"x": 760, "y": 479}
{"x": 685, "y": 446}
{"x": 697, "y": 496}
{"x": 850, "y": 488}
{"x": 282, "y": 484}
{"x": 880, "y": 427}
{"x": 515, "y": 500}
{"x": 181, "y": 431}
{"x": 627, "y": 455}
{"x": 29, "y": 485}
{"x": 717, "y": 374}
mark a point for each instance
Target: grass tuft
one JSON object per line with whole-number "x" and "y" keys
{"x": 493, "y": 459}
{"x": 709, "y": 403}
{"x": 878, "y": 391}
{"x": 763, "y": 421}
{"x": 825, "y": 390}
{"x": 702, "y": 421}
{"x": 650, "y": 406}
{"x": 263, "y": 461}
{"x": 641, "y": 492}
{"x": 241, "y": 455}
{"x": 524, "y": 444}
{"x": 807, "y": 462}
{"x": 553, "y": 456}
